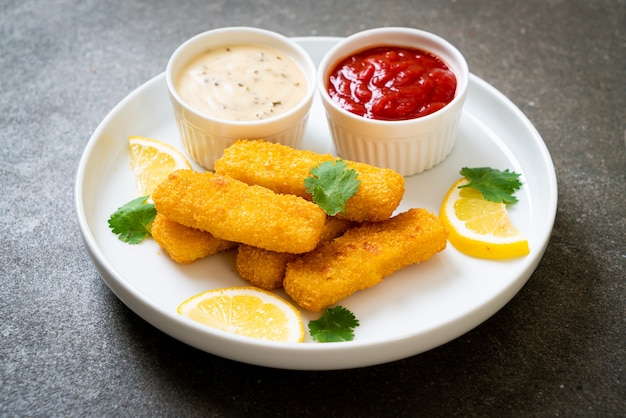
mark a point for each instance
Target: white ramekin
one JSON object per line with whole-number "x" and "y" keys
{"x": 206, "y": 137}
{"x": 408, "y": 146}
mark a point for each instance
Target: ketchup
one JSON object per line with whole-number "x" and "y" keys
{"x": 392, "y": 83}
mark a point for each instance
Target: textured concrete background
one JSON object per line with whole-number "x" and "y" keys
{"x": 70, "y": 347}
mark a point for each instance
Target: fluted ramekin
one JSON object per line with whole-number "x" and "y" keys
{"x": 408, "y": 146}
{"x": 205, "y": 137}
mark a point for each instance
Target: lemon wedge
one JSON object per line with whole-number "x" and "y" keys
{"x": 246, "y": 310}
{"x": 152, "y": 161}
{"x": 478, "y": 227}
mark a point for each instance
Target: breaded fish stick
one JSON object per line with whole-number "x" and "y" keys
{"x": 362, "y": 257}
{"x": 283, "y": 169}
{"x": 262, "y": 268}
{"x": 234, "y": 211}
{"x": 184, "y": 244}
{"x": 266, "y": 269}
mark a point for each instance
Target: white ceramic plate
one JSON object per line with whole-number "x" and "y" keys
{"x": 414, "y": 310}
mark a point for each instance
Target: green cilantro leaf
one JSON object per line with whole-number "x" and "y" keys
{"x": 495, "y": 185}
{"x": 336, "y": 324}
{"x": 132, "y": 222}
{"x": 331, "y": 184}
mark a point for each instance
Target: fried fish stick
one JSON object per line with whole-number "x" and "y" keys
{"x": 266, "y": 269}
{"x": 262, "y": 268}
{"x": 362, "y": 257}
{"x": 184, "y": 244}
{"x": 234, "y": 211}
{"x": 283, "y": 169}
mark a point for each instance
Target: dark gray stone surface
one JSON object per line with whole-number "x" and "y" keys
{"x": 69, "y": 347}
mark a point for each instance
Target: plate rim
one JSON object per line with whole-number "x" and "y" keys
{"x": 153, "y": 314}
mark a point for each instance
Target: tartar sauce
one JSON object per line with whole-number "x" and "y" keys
{"x": 242, "y": 83}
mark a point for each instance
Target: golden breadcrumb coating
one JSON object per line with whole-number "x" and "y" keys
{"x": 266, "y": 269}
{"x": 184, "y": 244}
{"x": 362, "y": 257}
{"x": 235, "y": 211}
{"x": 283, "y": 169}
{"x": 262, "y": 268}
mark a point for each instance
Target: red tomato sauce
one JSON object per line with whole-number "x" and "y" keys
{"x": 392, "y": 83}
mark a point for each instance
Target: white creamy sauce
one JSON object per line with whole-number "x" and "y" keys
{"x": 242, "y": 82}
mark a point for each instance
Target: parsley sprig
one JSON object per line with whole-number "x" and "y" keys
{"x": 336, "y": 324}
{"x": 132, "y": 222}
{"x": 495, "y": 185}
{"x": 331, "y": 184}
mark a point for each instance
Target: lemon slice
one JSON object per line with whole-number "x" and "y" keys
{"x": 246, "y": 310}
{"x": 478, "y": 227}
{"x": 152, "y": 161}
